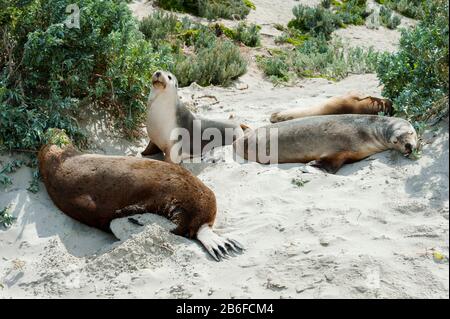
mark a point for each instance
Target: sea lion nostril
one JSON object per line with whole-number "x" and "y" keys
{"x": 408, "y": 146}
{"x": 158, "y": 74}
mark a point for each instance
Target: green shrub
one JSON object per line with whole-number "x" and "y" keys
{"x": 315, "y": 21}
{"x": 159, "y": 27}
{"x": 352, "y": 12}
{"x": 210, "y": 9}
{"x": 106, "y": 65}
{"x": 6, "y": 219}
{"x": 416, "y": 77}
{"x": 409, "y": 8}
{"x": 211, "y": 59}
{"x": 328, "y": 16}
{"x": 216, "y": 64}
{"x": 292, "y": 36}
{"x": 326, "y": 4}
{"x": 248, "y": 34}
{"x": 275, "y": 67}
{"x": 250, "y": 4}
{"x": 7, "y": 169}
{"x": 388, "y": 18}
{"x": 318, "y": 58}
{"x": 243, "y": 33}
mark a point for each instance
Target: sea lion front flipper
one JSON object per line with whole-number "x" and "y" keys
{"x": 330, "y": 163}
{"x": 151, "y": 149}
{"x": 217, "y": 246}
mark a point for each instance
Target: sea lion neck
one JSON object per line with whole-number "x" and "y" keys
{"x": 167, "y": 97}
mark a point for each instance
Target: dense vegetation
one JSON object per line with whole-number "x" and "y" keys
{"x": 316, "y": 57}
{"x": 328, "y": 16}
{"x": 55, "y": 76}
{"x": 52, "y": 75}
{"x": 416, "y": 77}
{"x": 205, "y": 54}
{"x": 388, "y": 18}
{"x": 409, "y": 8}
{"x": 210, "y": 9}
{"x": 314, "y": 54}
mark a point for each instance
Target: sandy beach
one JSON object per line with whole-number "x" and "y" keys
{"x": 373, "y": 230}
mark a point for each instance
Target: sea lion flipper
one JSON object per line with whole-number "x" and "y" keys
{"x": 331, "y": 164}
{"x": 130, "y": 210}
{"x": 151, "y": 149}
{"x": 217, "y": 246}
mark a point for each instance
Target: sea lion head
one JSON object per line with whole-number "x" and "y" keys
{"x": 403, "y": 137}
{"x": 164, "y": 82}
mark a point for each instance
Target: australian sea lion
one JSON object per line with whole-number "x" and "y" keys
{"x": 95, "y": 189}
{"x": 166, "y": 115}
{"x": 328, "y": 141}
{"x": 347, "y": 104}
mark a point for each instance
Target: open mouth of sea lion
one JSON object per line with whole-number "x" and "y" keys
{"x": 157, "y": 84}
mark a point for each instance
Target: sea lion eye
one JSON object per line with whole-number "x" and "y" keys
{"x": 170, "y": 78}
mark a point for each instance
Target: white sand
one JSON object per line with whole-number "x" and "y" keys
{"x": 368, "y": 232}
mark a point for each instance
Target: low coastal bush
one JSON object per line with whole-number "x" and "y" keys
{"x": 328, "y": 16}
{"x": 51, "y": 73}
{"x": 314, "y": 21}
{"x": 409, "y": 8}
{"x": 388, "y": 18}
{"x": 210, "y": 9}
{"x": 416, "y": 78}
{"x": 248, "y": 34}
{"x": 318, "y": 58}
{"x": 351, "y": 12}
{"x": 292, "y": 36}
{"x": 200, "y": 53}
{"x": 217, "y": 64}
{"x": 314, "y": 55}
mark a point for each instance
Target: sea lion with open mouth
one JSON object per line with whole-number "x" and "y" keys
{"x": 95, "y": 189}
{"x": 167, "y": 115}
{"x": 347, "y": 104}
{"x": 328, "y": 141}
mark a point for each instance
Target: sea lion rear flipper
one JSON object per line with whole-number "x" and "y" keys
{"x": 151, "y": 149}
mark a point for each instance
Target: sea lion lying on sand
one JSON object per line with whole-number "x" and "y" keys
{"x": 328, "y": 141}
{"x": 347, "y": 104}
{"x": 95, "y": 189}
{"x": 166, "y": 114}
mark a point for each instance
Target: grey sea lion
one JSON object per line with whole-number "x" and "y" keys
{"x": 170, "y": 123}
{"x": 327, "y": 141}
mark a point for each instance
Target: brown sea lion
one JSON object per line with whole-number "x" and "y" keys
{"x": 327, "y": 141}
{"x": 95, "y": 189}
{"x": 347, "y": 104}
